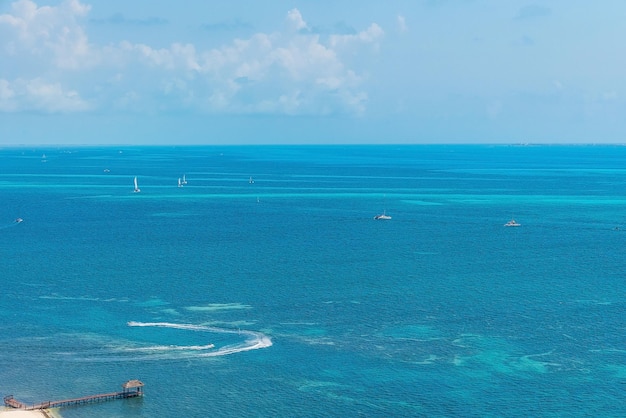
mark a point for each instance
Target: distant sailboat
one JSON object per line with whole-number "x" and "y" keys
{"x": 137, "y": 190}
{"x": 251, "y": 180}
{"x": 383, "y": 216}
{"x": 512, "y": 222}
{"x": 184, "y": 180}
{"x": 180, "y": 183}
{"x": 43, "y": 158}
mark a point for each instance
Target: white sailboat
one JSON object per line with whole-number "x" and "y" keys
{"x": 251, "y": 180}
{"x": 184, "y": 181}
{"x": 180, "y": 183}
{"x": 512, "y": 222}
{"x": 383, "y": 216}
{"x": 137, "y": 190}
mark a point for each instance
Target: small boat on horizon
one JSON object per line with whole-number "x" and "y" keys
{"x": 137, "y": 190}
{"x": 180, "y": 183}
{"x": 251, "y": 181}
{"x": 382, "y": 217}
{"x": 18, "y": 220}
{"x": 512, "y": 222}
{"x": 184, "y": 181}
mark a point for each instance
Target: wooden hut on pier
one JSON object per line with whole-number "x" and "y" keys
{"x": 132, "y": 388}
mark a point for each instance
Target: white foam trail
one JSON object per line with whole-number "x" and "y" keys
{"x": 167, "y": 325}
{"x": 257, "y": 342}
{"x": 12, "y": 224}
{"x": 215, "y": 307}
{"x": 173, "y": 348}
{"x": 254, "y": 341}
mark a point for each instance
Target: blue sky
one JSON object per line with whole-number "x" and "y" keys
{"x": 312, "y": 71}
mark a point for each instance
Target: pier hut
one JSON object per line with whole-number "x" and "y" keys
{"x": 132, "y": 388}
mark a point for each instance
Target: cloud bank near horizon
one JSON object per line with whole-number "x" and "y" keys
{"x": 293, "y": 70}
{"x": 300, "y": 71}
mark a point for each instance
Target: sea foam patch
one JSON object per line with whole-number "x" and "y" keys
{"x": 216, "y": 307}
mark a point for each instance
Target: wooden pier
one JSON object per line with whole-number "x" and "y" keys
{"x": 130, "y": 389}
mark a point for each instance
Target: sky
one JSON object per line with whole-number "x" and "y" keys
{"x": 201, "y": 72}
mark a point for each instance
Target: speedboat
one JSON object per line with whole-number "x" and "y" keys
{"x": 512, "y": 222}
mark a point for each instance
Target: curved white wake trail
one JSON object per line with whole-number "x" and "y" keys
{"x": 254, "y": 340}
{"x": 166, "y": 325}
{"x": 257, "y": 342}
{"x": 173, "y": 348}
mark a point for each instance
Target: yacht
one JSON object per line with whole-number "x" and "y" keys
{"x": 512, "y": 222}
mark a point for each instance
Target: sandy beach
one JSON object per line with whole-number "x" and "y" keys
{"x": 18, "y": 413}
{"x": 15, "y": 413}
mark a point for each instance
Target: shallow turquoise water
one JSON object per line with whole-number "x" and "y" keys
{"x": 313, "y": 308}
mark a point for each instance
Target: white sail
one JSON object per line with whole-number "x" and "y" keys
{"x": 136, "y": 187}
{"x": 383, "y": 216}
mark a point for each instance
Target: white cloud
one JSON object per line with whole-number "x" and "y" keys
{"x": 6, "y": 92}
{"x": 49, "y": 33}
{"x": 295, "y": 20}
{"x": 402, "y": 24}
{"x": 39, "y": 95}
{"x": 291, "y": 72}
{"x": 372, "y": 35}
{"x": 177, "y": 57}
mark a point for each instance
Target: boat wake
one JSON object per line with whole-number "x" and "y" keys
{"x": 253, "y": 340}
{"x": 12, "y": 224}
{"x": 172, "y": 347}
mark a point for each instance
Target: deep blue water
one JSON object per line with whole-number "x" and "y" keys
{"x": 285, "y": 298}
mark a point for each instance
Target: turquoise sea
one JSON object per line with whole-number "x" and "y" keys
{"x": 283, "y": 297}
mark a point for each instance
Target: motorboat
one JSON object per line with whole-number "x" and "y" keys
{"x": 512, "y": 222}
